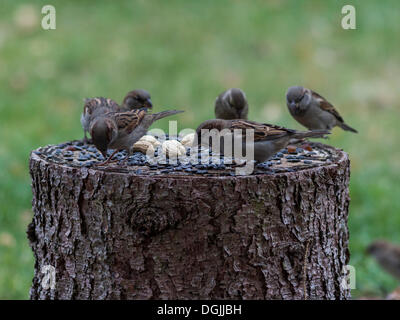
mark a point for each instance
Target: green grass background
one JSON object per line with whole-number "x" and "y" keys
{"x": 185, "y": 52}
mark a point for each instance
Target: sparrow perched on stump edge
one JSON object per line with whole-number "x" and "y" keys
{"x": 93, "y": 108}
{"x": 268, "y": 138}
{"x": 120, "y": 130}
{"x": 313, "y": 111}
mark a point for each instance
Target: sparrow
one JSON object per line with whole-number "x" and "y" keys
{"x": 231, "y": 104}
{"x": 313, "y": 111}
{"x": 268, "y": 138}
{"x": 387, "y": 255}
{"x": 120, "y": 130}
{"x": 136, "y": 99}
{"x": 94, "y": 107}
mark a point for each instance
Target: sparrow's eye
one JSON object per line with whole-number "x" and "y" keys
{"x": 299, "y": 99}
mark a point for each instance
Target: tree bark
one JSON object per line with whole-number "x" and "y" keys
{"x": 115, "y": 235}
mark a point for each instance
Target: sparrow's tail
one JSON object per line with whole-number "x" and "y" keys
{"x": 347, "y": 128}
{"x": 163, "y": 114}
{"x": 310, "y": 134}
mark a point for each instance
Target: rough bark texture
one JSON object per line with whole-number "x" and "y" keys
{"x": 123, "y": 236}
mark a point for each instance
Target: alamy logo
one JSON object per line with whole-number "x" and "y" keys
{"x": 349, "y": 20}
{"x": 49, "y": 278}
{"x": 236, "y": 145}
{"x": 349, "y": 277}
{"x": 49, "y": 20}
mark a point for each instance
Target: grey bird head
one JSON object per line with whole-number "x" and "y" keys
{"x": 237, "y": 98}
{"x": 137, "y": 99}
{"x": 103, "y": 131}
{"x": 298, "y": 99}
{"x": 231, "y": 104}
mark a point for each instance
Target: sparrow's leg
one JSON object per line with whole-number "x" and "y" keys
{"x": 129, "y": 153}
{"x": 86, "y": 140}
{"x": 108, "y": 160}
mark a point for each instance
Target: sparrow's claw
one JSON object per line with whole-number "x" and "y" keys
{"x": 87, "y": 141}
{"x": 108, "y": 160}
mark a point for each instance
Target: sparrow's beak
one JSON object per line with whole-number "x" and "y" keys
{"x": 148, "y": 104}
{"x": 295, "y": 107}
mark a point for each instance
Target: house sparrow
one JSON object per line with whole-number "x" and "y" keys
{"x": 387, "y": 255}
{"x": 268, "y": 138}
{"x": 120, "y": 130}
{"x": 231, "y": 104}
{"x": 313, "y": 111}
{"x": 94, "y": 107}
{"x": 136, "y": 99}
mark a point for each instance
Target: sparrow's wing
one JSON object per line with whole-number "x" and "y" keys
{"x": 128, "y": 121}
{"x": 262, "y": 131}
{"x": 111, "y": 104}
{"x": 218, "y": 124}
{"x": 94, "y": 104}
{"x": 325, "y": 105}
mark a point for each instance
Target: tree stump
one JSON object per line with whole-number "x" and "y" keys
{"x": 117, "y": 234}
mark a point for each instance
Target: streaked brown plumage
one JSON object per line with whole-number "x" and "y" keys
{"x": 120, "y": 130}
{"x": 94, "y": 107}
{"x": 313, "y": 111}
{"x": 268, "y": 138}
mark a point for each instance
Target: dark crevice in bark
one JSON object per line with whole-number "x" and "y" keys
{"x": 82, "y": 216}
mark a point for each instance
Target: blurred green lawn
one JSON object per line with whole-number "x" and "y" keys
{"x": 185, "y": 53}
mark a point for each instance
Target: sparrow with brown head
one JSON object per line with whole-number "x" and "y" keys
{"x": 120, "y": 130}
{"x": 268, "y": 138}
{"x": 93, "y": 108}
{"x": 137, "y": 99}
